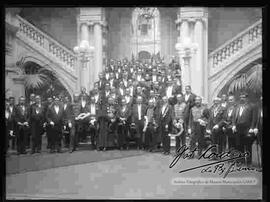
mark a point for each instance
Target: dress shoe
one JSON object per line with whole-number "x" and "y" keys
{"x": 104, "y": 149}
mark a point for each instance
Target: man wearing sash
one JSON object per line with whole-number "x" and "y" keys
{"x": 198, "y": 120}
{"x": 165, "y": 123}
{"x": 123, "y": 115}
{"x": 216, "y": 113}
{"x": 22, "y": 125}
{"x": 178, "y": 115}
{"x": 37, "y": 119}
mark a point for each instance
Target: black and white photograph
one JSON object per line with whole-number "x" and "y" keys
{"x": 133, "y": 102}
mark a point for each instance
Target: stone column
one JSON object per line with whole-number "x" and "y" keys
{"x": 198, "y": 70}
{"x": 98, "y": 50}
{"x": 184, "y": 31}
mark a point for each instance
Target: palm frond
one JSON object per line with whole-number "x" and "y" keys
{"x": 35, "y": 81}
{"x": 238, "y": 83}
{"x": 254, "y": 78}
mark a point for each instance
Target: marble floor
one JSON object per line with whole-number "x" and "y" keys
{"x": 145, "y": 176}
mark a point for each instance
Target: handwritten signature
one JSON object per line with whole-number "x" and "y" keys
{"x": 219, "y": 166}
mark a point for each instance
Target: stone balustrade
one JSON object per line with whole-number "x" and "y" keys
{"x": 46, "y": 42}
{"x": 232, "y": 47}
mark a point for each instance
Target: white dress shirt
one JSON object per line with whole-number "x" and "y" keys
{"x": 139, "y": 111}
{"x": 93, "y": 109}
{"x": 169, "y": 91}
{"x": 56, "y": 108}
{"x": 83, "y": 103}
{"x": 241, "y": 110}
{"x": 187, "y": 97}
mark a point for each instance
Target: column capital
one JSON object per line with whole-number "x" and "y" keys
{"x": 191, "y": 14}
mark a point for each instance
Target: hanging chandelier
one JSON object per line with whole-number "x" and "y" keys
{"x": 146, "y": 12}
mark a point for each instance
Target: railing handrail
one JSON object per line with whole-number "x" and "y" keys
{"x": 234, "y": 38}
{"x": 47, "y": 36}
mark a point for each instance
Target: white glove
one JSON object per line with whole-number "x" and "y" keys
{"x": 52, "y": 123}
{"x": 189, "y": 131}
{"x": 234, "y": 129}
{"x": 44, "y": 125}
{"x": 65, "y": 127}
{"x": 223, "y": 128}
{"x": 166, "y": 126}
{"x": 11, "y": 133}
{"x": 255, "y": 130}
{"x": 208, "y": 131}
{"x": 69, "y": 125}
{"x": 250, "y": 130}
{"x": 216, "y": 126}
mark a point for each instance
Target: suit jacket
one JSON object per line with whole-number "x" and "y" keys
{"x": 37, "y": 114}
{"x": 10, "y": 121}
{"x": 191, "y": 100}
{"x": 51, "y": 115}
{"x": 246, "y": 118}
{"x": 228, "y": 116}
{"x": 215, "y": 118}
{"x": 185, "y": 111}
{"x": 203, "y": 114}
{"x": 22, "y": 115}
{"x": 124, "y": 114}
{"x": 68, "y": 111}
{"x": 166, "y": 117}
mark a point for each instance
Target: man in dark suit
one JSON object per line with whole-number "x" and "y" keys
{"x": 67, "y": 106}
{"x": 216, "y": 113}
{"x": 165, "y": 123}
{"x": 123, "y": 114}
{"x": 83, "y": 129}
{"x": 226, "y": 123}
{"x": 37, "y": 120}
{"x": 22, "y": 124}
{"x": 48, "y": 127}
{"x": 138, "y": 113}
{"x": 55, "y": 117}
{"x": 242, "y": 123}
{"x": 11, "y": 121}
{"x": 101, "y": 82}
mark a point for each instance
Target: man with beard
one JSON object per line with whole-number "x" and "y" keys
{"x": 138, "y": 112}
{"x": 165, "y": 123}
{"x": 198, "y": 119}
{"x": 178, "y": 115}
{"x": 37, "y": 120}
{"x": 123, "y": 115}
{"x": 226, "y": 123}
{"x": 22, "y": 124}
{"x": 216, "y": 113}
{"x": 242, "y": 123}
{"x": 55, "y": 117}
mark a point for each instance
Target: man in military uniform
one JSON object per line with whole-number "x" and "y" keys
{"x": 198, "y": 119}
{"x": 22, "y": 125}
{"x": 216, "y": 113}
{"x": 37, "y": 120}
{"x": 178, "y": 115}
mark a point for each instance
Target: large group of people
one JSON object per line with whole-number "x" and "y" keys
{"x": 138, "y": 103}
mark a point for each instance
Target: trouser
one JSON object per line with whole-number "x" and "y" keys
{"x": 231, "y": 138}
{"x": 93, "y": 135}
{"x": 149, "y": 139}
{"x": 197, "y": 136}
{"x": 180, "y": 141}
{"x": 166, "y": 140}
{"x": 36, "y": 141}
{"x": 49, "y": 136}
{"x": 122, "y": 135}
{"x": 73, "y": 137}
{"x": 83, "y": 130}
{"x": 21, "y": 139}
{"x": 139, "y": 133}
{"x": 56, "y": 138}
{"x": 219, "y": 139}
